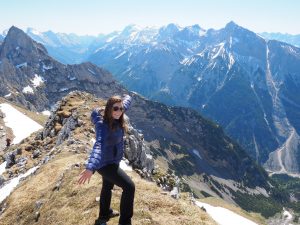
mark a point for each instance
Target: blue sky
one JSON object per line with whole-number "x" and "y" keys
{"x": 103, "y": 16}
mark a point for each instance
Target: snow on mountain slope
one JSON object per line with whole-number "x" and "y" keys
{"x": 21, "y": 125}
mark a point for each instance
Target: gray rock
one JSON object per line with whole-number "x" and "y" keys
{"x": 66, "y": 130}
{"x": 46, "y": 159}
{"x": 21, "y": 162}
{"x": 36, "y": 153}
{"x": 58, "y": 183}
{"x": 19, "y": 151}
{"x": 70, "y": 141}
{"x": 137, "y": 152}
{"x": 39, "y": 136}
{"x": 175, "y": 193}
{"x": 39, "y": 203}
{"x": 37, "y": 216}
{"x": 2, "y": 180}
{"x": 10, "y": 159}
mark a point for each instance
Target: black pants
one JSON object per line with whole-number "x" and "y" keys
{"x": 113, "y": 175}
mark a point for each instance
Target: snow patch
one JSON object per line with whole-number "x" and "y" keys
{"x": 46, "y": 67}
{"x": 187, "y": 61}
{"x": 224, "y": 216}
{"x": 6, "y": 96}
{"x": 71, "y": 77}
{"x": 91, "y": 71}
{"x": 37, "y": 80}
{"x": 21, "y": 65}
{"x": 197, "y": 153}
{"x": 63, "y": 89}
{"x": 133, "y": 36}
{"x": 21, "y": 125}
{"x": 27, "y": 90}
{"x": 46, "y": 113}
{"x": 8, "y": 188}
{"x": 287, "y": 215}
{"x": 111, "y": 38}
{"x": 124, "y": 165}
{"x": 2, "y": 167}
{"x": 219, "y": 50}
{"x": 290, "y": 50}
{"x": 118, "y": 56}
{"x": 202, "y": 33}
{"x": 231, "y": 61}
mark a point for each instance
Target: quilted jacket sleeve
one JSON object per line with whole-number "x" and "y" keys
{"x": 126, "y": 101}
{"x": 95, "y": 156}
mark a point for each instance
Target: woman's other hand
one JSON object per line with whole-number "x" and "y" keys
{"x": 85, "y": 175}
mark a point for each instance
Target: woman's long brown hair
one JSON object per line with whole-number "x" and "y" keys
{"x": 108, "y": 113}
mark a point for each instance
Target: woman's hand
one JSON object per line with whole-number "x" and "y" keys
{"x": 85, "y": 175}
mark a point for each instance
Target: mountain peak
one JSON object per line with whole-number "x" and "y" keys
{"x": 15, "y": 31}
{"x": 168, "y": 30}
{"x": 172, "y": 27}
{"x": 130, "y": 28}
{"x": 18, "y": 47}
{"x": 231, "y": 25}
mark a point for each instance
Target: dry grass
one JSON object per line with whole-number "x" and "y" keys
{"x": 74, "y": 204}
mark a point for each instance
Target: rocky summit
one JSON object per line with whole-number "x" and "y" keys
{"x": 58, "y": 153}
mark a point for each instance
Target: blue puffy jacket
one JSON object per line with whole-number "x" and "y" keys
{"x": 109, "y": 145}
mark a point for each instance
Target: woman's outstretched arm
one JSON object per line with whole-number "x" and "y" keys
{"x": 126, "y": 101}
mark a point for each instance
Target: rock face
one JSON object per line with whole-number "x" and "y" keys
{"x": 137, "y": 152}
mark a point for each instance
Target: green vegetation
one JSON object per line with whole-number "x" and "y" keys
{"x": 284, "y": 187}
{"x": 287, "y": 186}
{"x": 257, "y": 203}
{"x": 205, "y": 194}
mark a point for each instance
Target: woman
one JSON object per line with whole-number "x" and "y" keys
{"x": 105, "y": 158}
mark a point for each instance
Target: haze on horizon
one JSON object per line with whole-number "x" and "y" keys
{"x": 94, "y": 17}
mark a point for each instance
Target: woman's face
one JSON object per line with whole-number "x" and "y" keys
{"x": 117, "y": 110}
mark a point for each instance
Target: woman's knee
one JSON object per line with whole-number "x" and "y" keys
{"x": 130, "y": 187}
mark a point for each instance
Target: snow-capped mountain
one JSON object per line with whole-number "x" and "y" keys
{"x": 232, "y": 75}
{"x": 237, "y": 78}
{"x": 151, "y": 55}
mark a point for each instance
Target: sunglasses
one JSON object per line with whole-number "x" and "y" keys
{"x": 116, "y": 108}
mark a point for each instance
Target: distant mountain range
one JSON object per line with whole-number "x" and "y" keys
{"x": 288, "y": 38}
{"x": 246, "y": 83}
